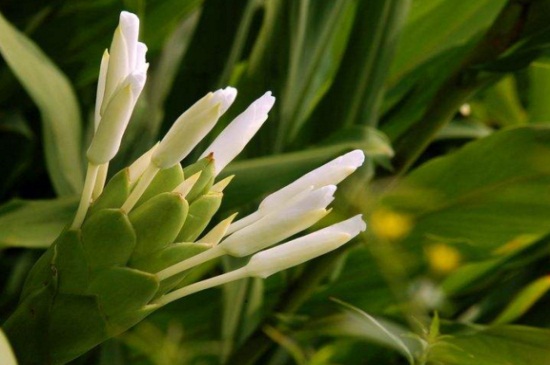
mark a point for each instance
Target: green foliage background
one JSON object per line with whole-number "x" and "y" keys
{"x": 449, "y": 100}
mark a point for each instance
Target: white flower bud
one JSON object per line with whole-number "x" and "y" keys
{"x": 303, "y": 211}
{"x": 108, "y": 136}
{"x": 191, "y": 127}
{"x": 122, "y": 76}
{"x": 239, "y": 132}
{"x": 332, "y": 172}
{"x": 123, "y": 53}
{"x": 300, "y": 250}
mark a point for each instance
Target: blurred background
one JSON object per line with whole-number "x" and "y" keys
{"x": 449, "y": 100}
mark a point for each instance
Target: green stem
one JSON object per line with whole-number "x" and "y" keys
{"x": 462, "y": 84}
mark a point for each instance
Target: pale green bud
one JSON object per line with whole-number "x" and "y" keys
{"x": 191, "y": 127}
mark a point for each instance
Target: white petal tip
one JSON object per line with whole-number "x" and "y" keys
{"x": 352, "y": 226}
{"x": 354, "y": 158}
{"x": 128, "y": 18}
{"x": 265, "y": 103}
{"x": 225, "y": 97}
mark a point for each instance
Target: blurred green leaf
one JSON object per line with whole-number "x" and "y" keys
{"x": 435, "y": 26}
{"x": 500, "y": 105}
{"x": 34, "y": 224}
{"x": 6, "y": 354}
{"x": 357, "y": 323}
{"x": 515, "y": 255}
{"x": 524, "y": 300}
{"x": 539, "y": 91}
{"x": 477, "y": 345}
{"x": 488, "y": 193}
{"x": 56, "y": 100}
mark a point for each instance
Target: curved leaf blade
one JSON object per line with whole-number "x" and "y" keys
{"x": 54, "y": 96}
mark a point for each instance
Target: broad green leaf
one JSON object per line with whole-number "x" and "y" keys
{"x": 34, "y": 223}
{"x": 55, "y": 98}
{"x": 513, "y": 345}
{"x": 524, "y": 300}
{"x": 6, "y": 354}
{"x": 481, "y": 197}
{"x": 435, "y": 26}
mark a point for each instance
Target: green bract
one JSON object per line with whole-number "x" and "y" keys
{"x": 98, "y": 281}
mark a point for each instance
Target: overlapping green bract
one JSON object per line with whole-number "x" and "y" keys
{"x": 97, "y": 281}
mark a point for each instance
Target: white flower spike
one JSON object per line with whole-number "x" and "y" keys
{"x": 239, "y": 132}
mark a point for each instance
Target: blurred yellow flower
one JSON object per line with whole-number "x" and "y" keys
{"x": 389, "y": 224}
{"x": 442, "y": 258}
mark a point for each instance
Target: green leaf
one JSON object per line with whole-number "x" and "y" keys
{"x": 46, "y": 217}
{"x": 358, "y": 88}
{"x": 500, "y": 105}
{"x": 318, "y": 35}
{"x": 359, "y": 324}
{"x": 435, "y": 26}
{"x": 524, "y": 300}
{"x": 539, "y": 89}
{"x": 55, "y": 98}
{"x": 481, "y": 197}
{"x": 514, "y": 345}
{"x": 6, "y": 354}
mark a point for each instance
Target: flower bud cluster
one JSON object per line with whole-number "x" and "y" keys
{"x": 132, "y": 242}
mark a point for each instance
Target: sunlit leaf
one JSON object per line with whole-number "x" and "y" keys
{"x": 56, "y": 100}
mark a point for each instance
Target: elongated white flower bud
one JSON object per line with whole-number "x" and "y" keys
{"x": 114, "y": 120}
{"x": 123, "y": 53}
{"x": 239, "y": 132}
{"x": 300, "y": 250}
{"x": 332, "y": 172}
{"x": 191, "y": 127}
{"x": 305, "y": 210}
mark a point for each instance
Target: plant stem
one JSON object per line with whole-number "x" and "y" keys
{"x": 462, "y": 84}
{"x": 196, "y": 260}
{"x": 203, "y": 285}
{"x": 86, "y": 197}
